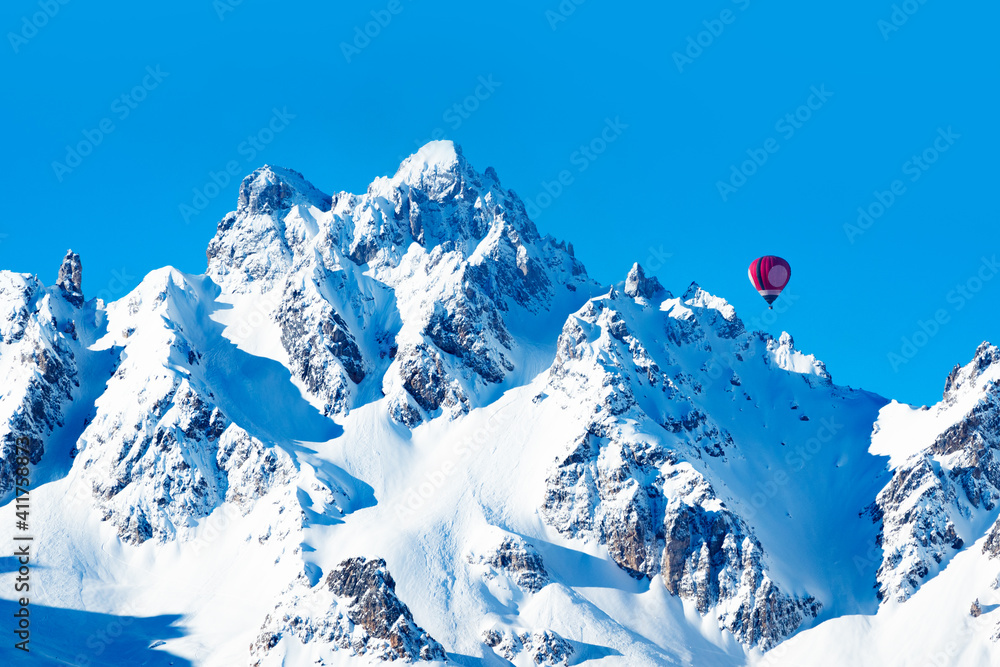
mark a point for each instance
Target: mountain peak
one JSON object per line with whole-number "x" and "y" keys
{"x": 692, "y": 291}
{"x": 70, "y": 278}
{"x": 695, "y": 295}
{"x": 441, "y": 154}
{"x": 271, "y": 189}
{"x": 725, "y": 319}
{"x": 987, "y": 356}
{"x": 637, "y": 284}
{"x": 438, "y": 167}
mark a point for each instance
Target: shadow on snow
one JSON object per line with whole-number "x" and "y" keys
{"x": 88, "y": 639}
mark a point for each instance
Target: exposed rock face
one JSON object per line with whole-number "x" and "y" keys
{"x": 543, "y": 647}
{"x": 157, "y": 475}
{"x": 273, "y": 189}
{"x": 178, "y": 455}
{"x": 322, "y": 349}
{"x": 159, "y": 453}
{"x": 427, "y": 384}
{"x": 38, "y": 363}
{"x": 918, "y": 531}
{"x": 638, "y": 285}
{"x": 672, "y": 525}
{"x": 627, "y": 481}
{"x": 446, "y": 247}
{"x": 71, "y": 278}
{"x": 609, "y": 503}
{"x": 711, "y": 558}
{"x": 991, "y": 547}
{"x": 963, "y": 377}
{"x": 475, "y": 263}
{"x": 518, "y": 560}
{"x": 720, "y": 317}
{"x": 355, "y": 608}
{"x": 952, "y": 481}
{"x": 370, "y": 593}
{"x": 255, "y": 245}
{"x": 282, "y": 241}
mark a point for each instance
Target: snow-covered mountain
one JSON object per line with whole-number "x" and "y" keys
{"x": 404, "y": 425}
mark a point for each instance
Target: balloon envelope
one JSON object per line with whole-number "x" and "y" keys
{"x": 769, "y": 275}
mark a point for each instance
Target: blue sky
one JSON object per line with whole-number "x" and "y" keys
{"x": 692, "y": 91}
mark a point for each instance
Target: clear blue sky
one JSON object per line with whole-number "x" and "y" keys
{"x": 652, "y": 195}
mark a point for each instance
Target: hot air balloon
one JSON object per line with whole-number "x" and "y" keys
{"x": 769, "y": 275}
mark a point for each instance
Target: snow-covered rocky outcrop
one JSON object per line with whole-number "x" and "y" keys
{"x": 38, "y": 348}
{"x": 354, "y": 609}
{"x": 515, "y": 559}
{"x": 159, "y": 453}
{"x": 413, "y": 284}
{"x": 276, "y": 247}
{"x": 945, "y": 487}
{"x": 544, "y": 648}
{"x": 653, "y": 378}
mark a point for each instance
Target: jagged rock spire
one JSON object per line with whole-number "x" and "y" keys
{"x": 637, "y": 284}
{"x": 272, "y": 189}
{"x": 71, "y": 278}
{"x": 986, "y": 355}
